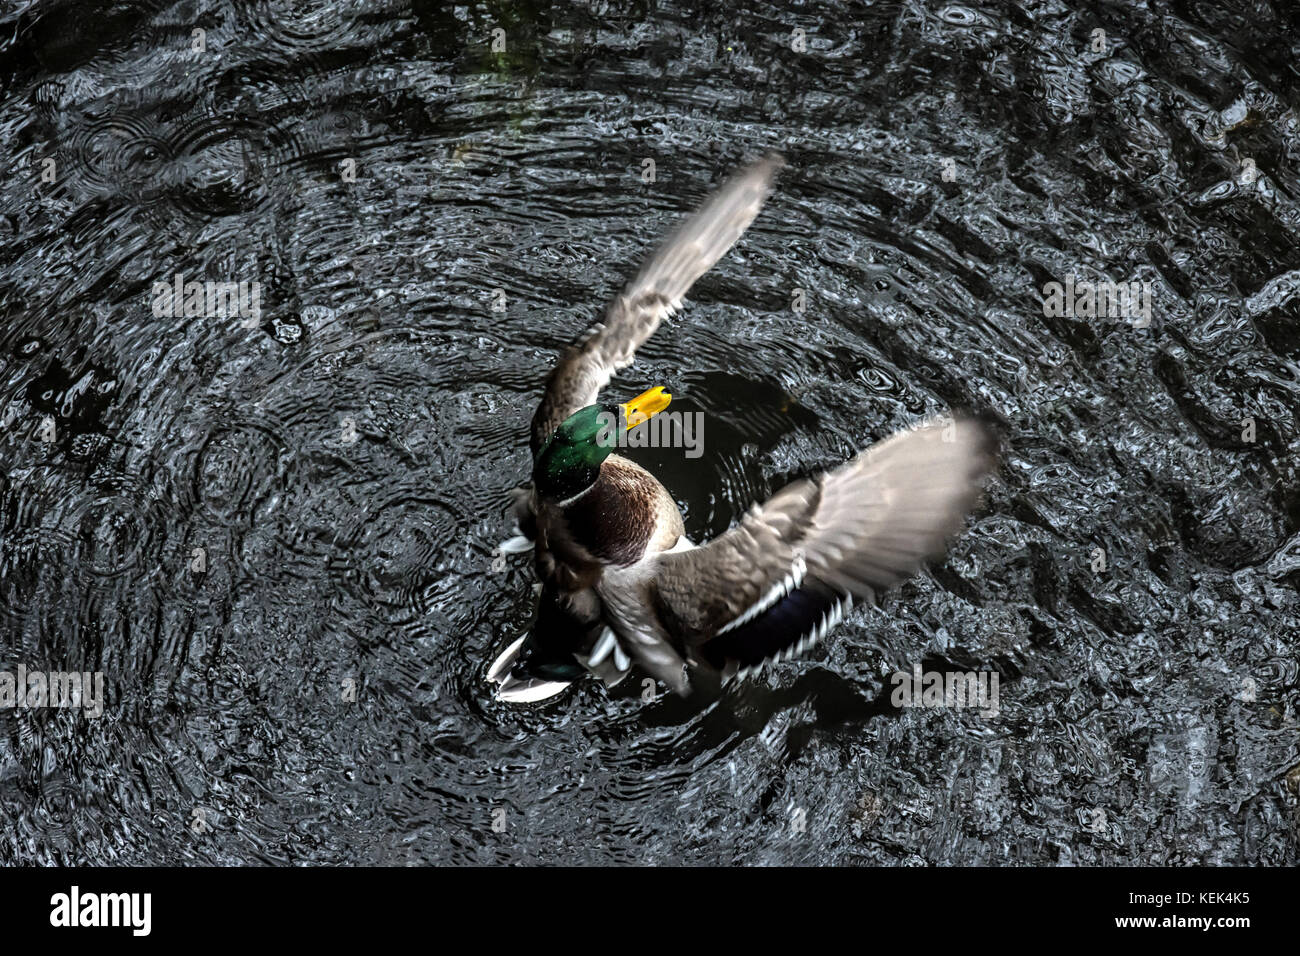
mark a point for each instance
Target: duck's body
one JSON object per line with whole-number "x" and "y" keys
{"x": 620, "y": 580}
{"x": 588, "y": 551}
{"x": 625, "y": 516}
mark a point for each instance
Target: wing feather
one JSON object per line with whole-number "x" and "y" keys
{"x": 863, "y": 526}
{"x": 655, "y": 293}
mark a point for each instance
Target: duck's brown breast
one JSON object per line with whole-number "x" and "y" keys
{"x": 626, "y": 512}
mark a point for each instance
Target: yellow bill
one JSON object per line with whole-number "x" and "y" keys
{"x": 641, "y": 408}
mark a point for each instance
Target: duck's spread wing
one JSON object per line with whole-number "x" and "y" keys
{"x": 656, "y": 292}
{"x": 776, "y": 582}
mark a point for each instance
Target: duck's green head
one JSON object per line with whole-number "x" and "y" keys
{"x": 569, "y": 463}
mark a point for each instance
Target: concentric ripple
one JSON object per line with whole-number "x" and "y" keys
{"x": 236, "y": 467}
{"x": 117, "y": 535}
{"x": 306, "y": 24}
{"x": 121, "y": 153}
{"x": 227, "y": 166}
{"x": 394, "y": 558}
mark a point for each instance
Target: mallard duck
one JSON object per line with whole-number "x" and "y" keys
{"x": 620, "y": 581}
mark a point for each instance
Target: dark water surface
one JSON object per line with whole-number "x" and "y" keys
{"x": 431, "y": 221}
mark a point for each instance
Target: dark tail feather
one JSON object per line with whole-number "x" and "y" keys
{"x": 555, "y": 636}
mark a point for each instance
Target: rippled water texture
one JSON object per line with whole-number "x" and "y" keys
{"x": 273, "y": 532}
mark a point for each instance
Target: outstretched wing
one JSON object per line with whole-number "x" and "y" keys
{"x": 656, "y": 292}
{"x": 778, "y": 580}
